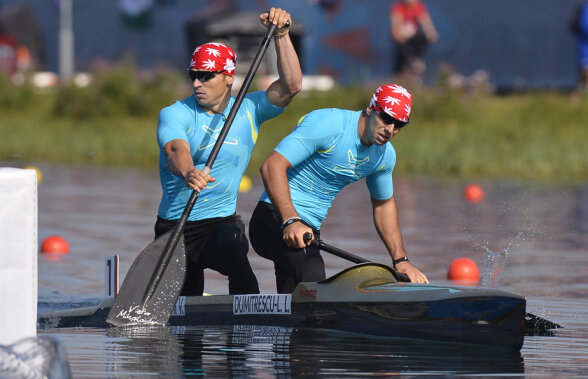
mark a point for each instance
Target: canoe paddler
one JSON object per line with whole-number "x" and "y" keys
{"x": 328, "y": 149}
{"x": 214, "y": 233}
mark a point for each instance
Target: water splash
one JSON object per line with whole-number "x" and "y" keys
{"x": 496, "y": 261}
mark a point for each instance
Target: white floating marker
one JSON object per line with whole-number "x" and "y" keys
{"x": 18, "y": 257}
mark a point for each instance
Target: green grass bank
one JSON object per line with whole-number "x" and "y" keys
{"x": 452, "y": 133}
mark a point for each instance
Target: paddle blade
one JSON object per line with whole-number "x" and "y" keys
{"x": 129, "y": 307}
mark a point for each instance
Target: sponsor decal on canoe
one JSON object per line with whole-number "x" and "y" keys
{"x": 308, "y": 293}
{"x": 262, "y": 304}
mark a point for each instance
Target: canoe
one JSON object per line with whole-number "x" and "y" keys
{"x": 367, "y": 298}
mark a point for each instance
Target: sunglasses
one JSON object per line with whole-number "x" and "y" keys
{"x": 389, "y": 120}
{"x": 202, "y": 76}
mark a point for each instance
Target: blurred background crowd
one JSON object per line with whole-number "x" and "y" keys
{"x": 502, "y": 45}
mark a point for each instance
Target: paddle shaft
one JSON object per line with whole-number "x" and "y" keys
{"x": 342, "y": 253}
{"x": 179, "y": 228}
{"x": 338, "y": 252}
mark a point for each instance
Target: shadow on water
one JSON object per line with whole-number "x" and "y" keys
{"x": 251, "y": 351}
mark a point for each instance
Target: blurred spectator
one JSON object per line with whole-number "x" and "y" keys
{"x": 8, "y": 47}
{"x": 18, "y": 21}
{"x": 579, "y": 27}
{"x": 14, "y": 57}
{"x": 412, "y": 30}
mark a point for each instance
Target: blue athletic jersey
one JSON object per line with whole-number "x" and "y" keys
{"x": 326, "y": 154}
{"x": 187, "y": 121}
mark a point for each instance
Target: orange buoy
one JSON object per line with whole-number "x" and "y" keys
{"x": 55, "y": 245}
{"x": 464, "y": 270}
{"x": 473, "y": 193}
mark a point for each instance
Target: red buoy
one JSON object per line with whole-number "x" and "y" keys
{"x": 473, "y": 193}
{"x": 464, "y": 270}
{"x": 55, "y": 245}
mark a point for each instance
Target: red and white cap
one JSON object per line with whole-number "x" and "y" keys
{"x": 393, "y": 99}
{"x": 214, "y": 56}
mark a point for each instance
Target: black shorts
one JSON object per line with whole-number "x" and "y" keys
{"x": 219, "y": 244}
{"x": 292, "y": 266}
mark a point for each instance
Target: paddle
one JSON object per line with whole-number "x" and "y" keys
{"x": 155, "y": 279}
{"x": 322, "y": 245}
{"x": 534, "y": 325}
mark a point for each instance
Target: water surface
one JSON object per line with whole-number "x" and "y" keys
{"x": 530, "y": 238}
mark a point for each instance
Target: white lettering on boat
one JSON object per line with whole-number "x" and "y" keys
{"x": 180, "y": 307}
{"x": 262, "y": 304}
{"x": 137, "y": 316}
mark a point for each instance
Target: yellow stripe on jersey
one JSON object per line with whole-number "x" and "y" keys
{"x": 300, "y": 120}
{"x": 253, "y": 131}
{"x": 326, "y": 151}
